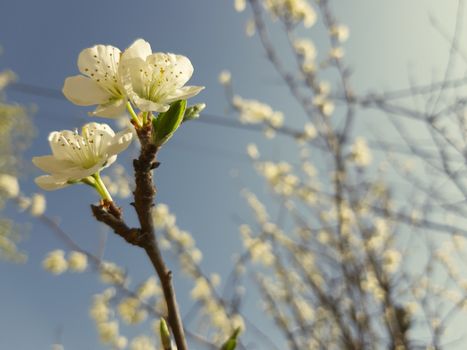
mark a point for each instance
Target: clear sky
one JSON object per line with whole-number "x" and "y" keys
{"x": 41, "y": 42}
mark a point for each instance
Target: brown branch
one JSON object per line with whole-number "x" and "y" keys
{"x": 144, "y": 200}
{"x": 144, "y": 237}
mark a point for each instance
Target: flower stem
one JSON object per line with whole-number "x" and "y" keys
{"x": 133, "y": 114}
{"x": 101, "y": 189}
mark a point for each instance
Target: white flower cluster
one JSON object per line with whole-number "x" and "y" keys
{"x": 306, "y": 50}
{"x": 321, "y": 100}
{"x": 142, "y": 342}
{"x": 56, "y": 263}
{"x": 340, "y": 32}
{"x": 36, "y": 204}
{"x": 183, "y": 245}
{"x": 360, "y": 153}
{"x": 279, "y": 176}
{"x": 110, "y": 78}
{"x": 107, "y": 325}
{"x": 117, "y": 182}
{"x": 110, "y": 273}
{"x": 292, "y": 11}
{"x": 8, "y": 240}
{"x": 259, "y": 249}
{"x": 255, "y": 112}
{"x": 6, "y": 77}
{"x": 9, "y": 186}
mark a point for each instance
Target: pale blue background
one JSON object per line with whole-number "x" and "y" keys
{"x": 42, "y": 39}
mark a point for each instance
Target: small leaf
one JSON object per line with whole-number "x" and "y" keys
{"x": 165, "y": 335}
{"x": 231, "y": 343}
{"x": 192, "y": 112}
{"x": 166, "y": 123}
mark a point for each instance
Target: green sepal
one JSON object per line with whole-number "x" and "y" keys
{"x": 192, "y": 112}
{"x": 165, "y": 335}
{"x": 231, "y": 343}
{"x": 166, "y": 123}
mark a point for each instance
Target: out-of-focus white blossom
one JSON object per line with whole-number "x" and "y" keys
{"x": 310, "y": 131}
{"x": 38, "y": 204}
{"x": 391, "y": 260}
{"x": 9, "y": 186}
{"x": 340, "y": 32}
{"x": 360, "y": 153}
{"x": 6, "y": 77}
{"x": 130, "y": 311}
{"x": 306, "y": 49}
{"x": 336, "y": 53}
{"x": 117, "y": 182}
{"x": 225, "y": 77}
{"x": 252, "y": 151}
{"x": 142, "y": 343}
{"x": 149, "y": 288}
{"x": 111, "y": 273}
{"x": 201, "y": 290}
{"x": 255, "y": 112}
{"x": 325, "y": 105}
{"x": 240, "y": 5}
{"x": 293, "y": 11}
{"x": 250, "y": 28}
{"x": 77, "y": 261}
{"x": 55, "y": 262}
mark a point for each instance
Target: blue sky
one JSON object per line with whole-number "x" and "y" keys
{"x": 41, "y": 42}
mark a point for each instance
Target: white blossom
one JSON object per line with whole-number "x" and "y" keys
{"x": 340, "y": 32}
{"x": 75, "y": 157}
{"x": 252, "y": 151}
{"x": 55, "y": 262}
{"x": 225, "y": 77}
{"x": 360, "y": 152}
{"x": 9, "y": 185}
{"x": 292, "y": 11}
{"x": 77, "y": 261}
{"x": 100, "y": 83}
{"x": 152, "y": 81}
{"x": 38, "y": 204}
{"x": 240, "y": 5}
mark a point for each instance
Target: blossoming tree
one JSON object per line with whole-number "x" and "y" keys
{"x": 338, "y": 254}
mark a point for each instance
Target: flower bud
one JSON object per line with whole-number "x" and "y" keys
{"x": 192, "y": 112}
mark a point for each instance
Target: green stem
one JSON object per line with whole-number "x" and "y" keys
{"x": 133, "y": 115}
{"x": 101, "y": 189}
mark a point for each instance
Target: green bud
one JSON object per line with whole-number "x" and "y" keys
{"x": 165, "y": 335}
{"x": 231, "y": 343}
{"x": 192, "y": 112}
{"x": 166, "y": 123}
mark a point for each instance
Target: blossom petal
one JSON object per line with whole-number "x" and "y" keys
{"x": 50, "y": 183}
{"x": 140, "y": 48}
{"x": 51, "y": 164}
{"x": 120, "y": 142}
{"x": 146, "y": 105}
{"x": 173, "y": 69}
{"x": 113, "y": 109}
{"x": 183, "y": 93}
{"x": 99, "y": 61}
{"x": 84, "y": 91}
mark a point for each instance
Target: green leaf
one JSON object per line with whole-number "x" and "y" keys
{"x": 166, "y": 123}
{"x": 231, "y": 343}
